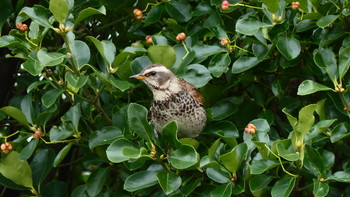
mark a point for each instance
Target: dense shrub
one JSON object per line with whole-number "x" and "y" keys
{"x": 273, "y": 74}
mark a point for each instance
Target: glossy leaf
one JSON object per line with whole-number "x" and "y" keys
{"x": 162, "y": 54}
{"x": 222, "y": 191}
{"x": 325, "y": 58}
{"x": 260, "y": 166}
{"x": 249, "y": 26}
{"x": 140, "y": 180}
{"x": 283, "y": 187}
{"x": 284, "y": 152}
{"x": 244, "y": 63}
{"x": 344, "y": 62}
{"x": 96, "y": 181}
{"x": 272, "y": 5}
{"x": 16, "y": 170}
{"x": 105, "y": 48}
{"x": 340, "y": 131}
{"x": 89, "y": 12}
{"x": 28, "y": 150}
{"x": 179, "y": 10}
{"x": 154, "y": 14}
{"x": 38, "y": 13}
{"x": 61, "y": 132}
{"x": 203, "y": 51}
{"x": 183, "y": 157}
{"x": 320, "y": 188}
{"x": 41, "y": 165}
{"x": 197, "y": 75}
{"x": 76, "y": 81}
{"x": 218, "y": 175}
{"x": 289, "y": 47}
{"x": 59, "y": 9}
{"x": 259, "y": 182}
{"x": 62, "y": 154}
{"x": 340, "y": 176}
{"x": 27, "y": 108}
{"x": 115, "y": 150}
{"x": 169, "y": 134}
{"x": 120, "y": 84}
{"x": 137, "y": 119}
{"x": 232, "y": 160}
{"x": 50, "y": 97}
{"x": 15, "y": 114}
{"x": 326, "y": 21}
{"x": 104, "y": 136}
{"x": 168, "y": 181}
{"x": 80, "y": 53}
{"x": 219, "y": 64}
{"x": 309, "y": 87}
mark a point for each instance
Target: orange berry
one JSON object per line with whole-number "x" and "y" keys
{"x": 149, "y": 39}
{"x": 224, "y": 7}
{"x": 181, "y": 36}
{"x": 224, "y": 41}
{"x": 250, "y": 128}
{"x": 3, "y": 147}
{"x": 138, "y": 14}
{"x": 295, "y": 5}
{"x": 225, "y": 2}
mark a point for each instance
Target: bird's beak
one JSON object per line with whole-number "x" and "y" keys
{"x": 138, "y": 76}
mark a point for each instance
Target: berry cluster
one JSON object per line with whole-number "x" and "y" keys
{"x": 295, "y": 5}
{"x": 224, "y": 5}
{"x": 250, "y": 129}
{"x": 181, "y": 36}
{"x": 138, "y": 14}
{"x": 6, "y": 147}
{"x": 149, "y": 39}
{"x": 21, "y": 26}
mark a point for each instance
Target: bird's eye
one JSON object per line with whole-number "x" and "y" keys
{"x": 151, "y": 73}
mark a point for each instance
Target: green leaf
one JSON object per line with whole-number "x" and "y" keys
{"x": 249, "y": 26}
{"x": 289, "y": 47}
{"x": 80, "y": 53}
{"x": 76, "y": 81}
{"x": 96, "y": 181}
{"x": 62, "y": 154}
{"x": 140, "y": 180}
{"x": 50, "y": 59}
{"x": 224, "y": 108}
{"x": 233, "y": 159}
{"x": 137, "y": 120}
{"x": 244, "y": 63}
{"x": 27, "y": 107}
{"x": 16, "y": 170}
{"x": 33, "y": 67}
{"x": 325, "y": 21}
{"x": 104, "y": 136}
{"x": 340, "y": 176}
{"x": 61, "y": 132}
{"x": 169, "y": 135}
{"x": 320, "y": 188}
{"x": 284, "y": 151}
{"x": 340, "y": 131}
{"x": 162, "y": 54}
{"x": 260, "y": 166}
{"x": 15, "y": 114}
{"x": 154, "y": 15}
{"x": 38, "y": 14}
{"x": 50, "y": 97}
{"x": 305, "y": 122}
{"x": 272, "y": 5}
{"x": 219, "y": 64}
{"x": 207, "y": 162}
{"x": 179, "y": 10}
{"x": 106, "y": 48}
{"x": 344, "y": 62}
{"x": 218, "y": 175}
{"x": 292, "y": 120}
{"x": 222, "y": 191}
{"x": 197, "y": 75}
{"x": 41, "y": 165}
{"x": 120, "y": 84}
{"x": 202, "y": 51}
{"x": 73, "y": 116}
{"x": 159, "y": 40}
{"x": 259, "y": 182}
{"x": 325, "y": 58}
{"x": 283, "y": 187}
{"x": 115, "y": 150}
{"x": 168, "y": 181}
{"x": 89, "y": 12}
{"x": 183, "y": 157}
{"x": 59, "y": 9}
{"x": 5, "y": 12}
{"x": 216, "y": 25}
{"x": 28, "y": 150}
{"x": 309, "y": 87}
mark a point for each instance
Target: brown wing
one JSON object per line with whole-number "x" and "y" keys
{"x": 193, "y": 91}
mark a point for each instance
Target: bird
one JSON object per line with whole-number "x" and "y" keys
{"x": 174, "y": 99}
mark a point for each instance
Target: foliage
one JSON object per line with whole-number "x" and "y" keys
{"x": 283, "y": 69}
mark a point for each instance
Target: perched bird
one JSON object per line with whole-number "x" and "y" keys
{"x": 173, "y": 99}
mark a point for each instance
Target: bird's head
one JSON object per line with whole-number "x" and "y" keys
{"x": 158, "y": 78}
